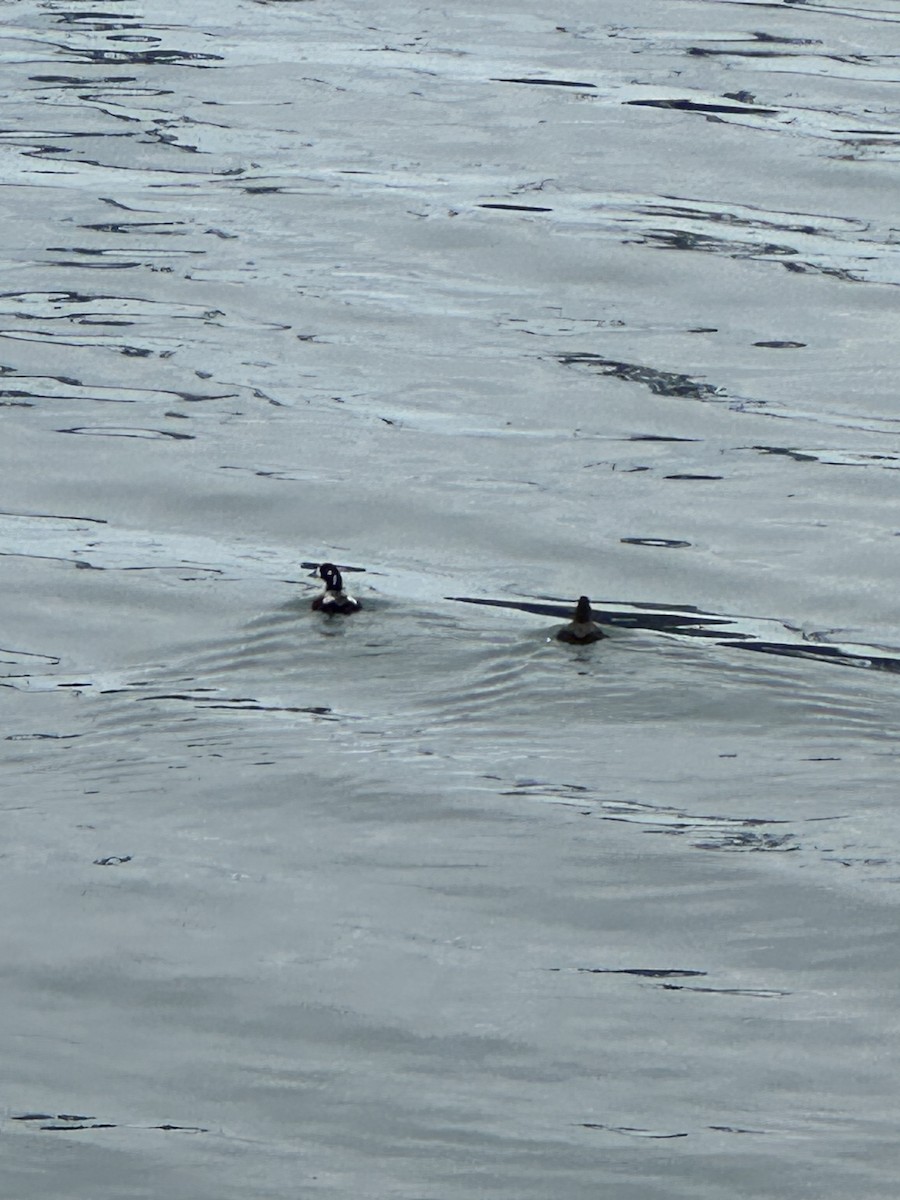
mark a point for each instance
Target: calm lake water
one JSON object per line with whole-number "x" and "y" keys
{"x": 493, "y": 307}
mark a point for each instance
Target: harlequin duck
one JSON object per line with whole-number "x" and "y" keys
{"x": 334, "y": 599}
{"x": 582, "y": 628}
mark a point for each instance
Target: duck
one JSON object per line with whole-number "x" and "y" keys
{"x": 334, "y": 599}
{"x": 582, "y": 629}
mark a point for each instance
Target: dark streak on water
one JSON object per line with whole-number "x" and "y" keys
{"x": 565, "y": 83}
{"x": 660, "y": 383}
{"x": 694, "y": 623}
{"x": 696, "y": 106}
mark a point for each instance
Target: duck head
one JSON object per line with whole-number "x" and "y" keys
{"x": 332, "y": 577}
{"x": 583, "y": 612}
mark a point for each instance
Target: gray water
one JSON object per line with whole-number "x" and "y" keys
{"x": 494, "y": 307}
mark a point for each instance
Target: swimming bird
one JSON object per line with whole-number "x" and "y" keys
{"x": 582, "y": 628}
{"x": 334, "y": 599}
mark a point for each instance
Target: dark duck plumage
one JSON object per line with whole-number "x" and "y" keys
{"x": 334, "y": 599}
{"x": 582, "y": 629}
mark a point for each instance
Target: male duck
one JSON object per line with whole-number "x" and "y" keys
{"x": 582, "y": 628}
{"x": 334, "y": 599}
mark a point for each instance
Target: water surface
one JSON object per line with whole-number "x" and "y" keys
{"x": 492, "y": 306}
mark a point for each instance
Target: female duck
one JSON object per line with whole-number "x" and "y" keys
{"x": 582, "y": 629}
{"x": 334, "y": 599}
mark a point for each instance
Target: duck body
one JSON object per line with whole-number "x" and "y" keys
{"x": 582, "y": 629}
{"x": 334, "y": 600}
